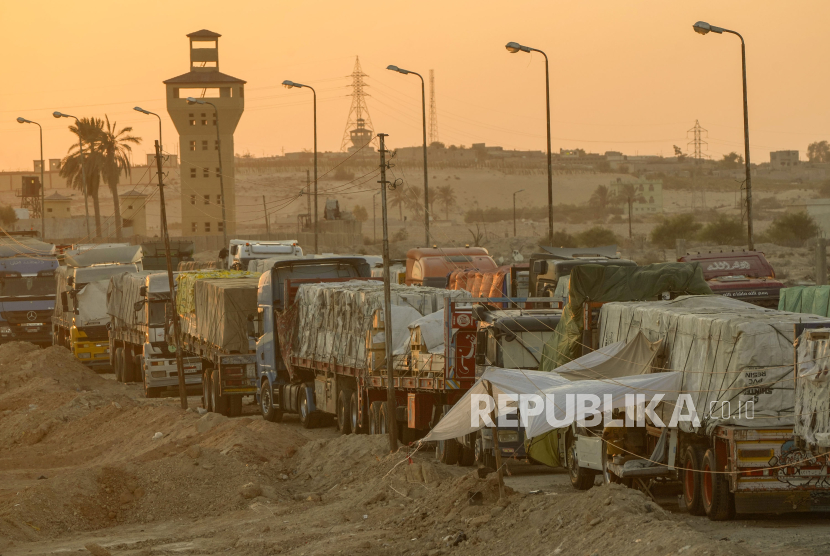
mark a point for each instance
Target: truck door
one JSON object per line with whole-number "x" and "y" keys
{"x": 265, "y": 342}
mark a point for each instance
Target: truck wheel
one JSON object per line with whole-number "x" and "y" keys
{"x": 581, "y": 478}
{"x": 447, "y": 451}
{"x": 354, "y": 415}
{"x": 207, "y": 394}
{"x": 374, "y": 418}
{"x": 693, "y": 480}
{"x": 266, "y": 404}
{"x": 383, "y": 422}
{"x": 220, "y": 402}
{"x": 127, "y": 370}
{"x": 302, "y": 405}
{"x": 344, "y": 422}
{"x": 234, "y": 406}
{"x": 119, "y": 364}
{"x": 718, "y": 502}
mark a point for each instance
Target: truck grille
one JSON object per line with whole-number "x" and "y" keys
{"x": 20, "y": 317}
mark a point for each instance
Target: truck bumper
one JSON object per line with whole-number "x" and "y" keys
{"x": 95, "y": 354}
{"x": 37, "y": 333}
{"x": 161, "y": 373}
{"x": 782, "y": 501}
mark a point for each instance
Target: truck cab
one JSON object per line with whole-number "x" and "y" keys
{"x": 547, "y": 268}
{"x": 431, "y": 266}
{"x": 275, "y": 294}
{"x": 27, "y": 299}
{"x": 744, "y": 275}
{"x": 242, "y": 251}
{"x": 513, "y": 339}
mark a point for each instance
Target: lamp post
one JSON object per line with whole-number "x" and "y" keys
{"x": 702, "y": 27}
{"x": 83, "y": 170}
{"x": 42, "y": 184}
{"x": 514, "y": 211}
{"x": 424, "y": 122}
{"x": 191, "y": 100}
{"x": 514, "y": 47}
{"x": 290, "y": 85}
{"x": 374, "y": 218}
{"x": 143, "y": 111}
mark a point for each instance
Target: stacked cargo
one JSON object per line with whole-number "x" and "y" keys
{"x": 186, "y": 282}
{"x": 223, "y": 308}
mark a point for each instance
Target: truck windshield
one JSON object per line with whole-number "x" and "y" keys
{"x": 156, "y": 316}
{"x": 27, "y": 286}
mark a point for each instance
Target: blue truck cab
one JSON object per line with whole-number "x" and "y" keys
{"x": 27, "y": 298}
{"x": 280, "y": 391}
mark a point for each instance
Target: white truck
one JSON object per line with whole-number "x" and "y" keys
{"x": 138, "y": 304}
{"x": 242, "y": 251}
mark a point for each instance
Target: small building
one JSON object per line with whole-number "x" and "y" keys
{"x": 57, "y": 206}
{"x": 783, "y": 159}
{"x": 648, "y": 194}
{"x": 134, "y": 212}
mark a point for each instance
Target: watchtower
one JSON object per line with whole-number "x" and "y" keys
{"x": 198, "y": 146}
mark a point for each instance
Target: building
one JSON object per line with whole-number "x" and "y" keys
{"x": 57, "y": 206}
{"x": 199, "y": 148}
{"x": 783, "y": 159}
{"x": 133, "y": 212}
{"x": 648, "y": 194}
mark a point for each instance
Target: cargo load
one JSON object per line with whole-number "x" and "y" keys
{"x": 123, "y": 292}
{"x": 812, "y": 390}
{"x": 736, "y": 358}
{"x": 335, "y": 319}
{"x": 186, "y": 282}
{"x": 222, "y": 307}
{"x": 198, "y": 265}
{"x": 806, "y": 299}
{"x": 105, "y": 255}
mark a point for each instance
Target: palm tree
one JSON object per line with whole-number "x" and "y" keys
{"x": 415, "y": 200}
{"x": 600, "y": 199}
{"x": 114, "y": 149}
{"x": 445, "y": 195}
{"x": 88, "y": 130}
{"x": 628, "y": 193}
{"x": 397, "y": 198}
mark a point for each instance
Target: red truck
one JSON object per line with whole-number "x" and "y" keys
{"x": 743, "y": 275}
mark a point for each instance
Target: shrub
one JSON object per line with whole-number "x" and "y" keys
{"x": 7, "y": 215}
{"x": 596, "y": 237}
{"x": 723, "y": 231}
{"x": 667, "y": 232}
{"x": 400, "y": 235}
{"x": 792, "y": 229}
{"x": 561, "y": 238}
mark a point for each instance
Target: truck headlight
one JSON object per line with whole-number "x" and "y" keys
{"x": 508, "y": 436}
{"x": 250, "y": 370}
{"x": 5, "y": 330}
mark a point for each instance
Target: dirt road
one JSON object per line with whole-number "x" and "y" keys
{"x": 84, "y": 470}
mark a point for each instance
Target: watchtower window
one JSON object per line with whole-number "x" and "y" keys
{"x": 193, "y": 145}
{"x": 204, "y": 145}
{"x": 193, "y": 172}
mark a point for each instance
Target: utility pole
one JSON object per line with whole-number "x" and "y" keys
{"x": 514, "y": 211}
{"x": 267, "y": 224}
{"x": 387, "y": 308}
{"x": 177, "y": 330}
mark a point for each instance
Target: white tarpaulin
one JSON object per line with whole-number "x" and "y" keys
{"x": 730, "y": 353}
{"x": 812, "y": 392}
{"x": 92, "y": 304}
{"x": 613, "y": 360}
{"x": 431, "y": 327}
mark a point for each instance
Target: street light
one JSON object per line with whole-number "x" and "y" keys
{"x": 83, "y": 170}
{"x": 143, "y": 111}
{"x": 191, "y": 100}
{"x": 42, "y": 184}
{"x": 291, "y": 85}
{"x": 702, "y": 28}
{"x": 424, "y": 122}
{"x": 514, "y": 47}
{"x": 514, "y": 211}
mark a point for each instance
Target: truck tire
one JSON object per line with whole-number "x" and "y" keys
{"x": 127, "y": 368}
{"x": 374, "y": 418}
{"x": 478, "y": 449}
{"x": 344, "y": 421}
{"x": 358, "y": 424}
{"x": 581, "y": 478}
{"x": 718, "y": 502}
{"x": 383, "y": 420}
{"x": 693, "y": 480}
{"x": 447, "y": 451}
{"x": 207, "y": 393}
{"x": 119, "y": 364}
{"x": 220, "y": 402}
{"x": 235, "y": 406}
{"x": 266, "y": 403}
{"x": 303, "y": 409}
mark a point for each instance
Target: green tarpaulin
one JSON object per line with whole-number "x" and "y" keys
{"x": 615, "y": 283}
{"x": 806, "y": 299}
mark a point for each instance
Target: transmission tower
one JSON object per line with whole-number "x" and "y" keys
{"x": 699, "y": 145}
{"x": 359, "y": 124}
{"x": 433, "y": 111}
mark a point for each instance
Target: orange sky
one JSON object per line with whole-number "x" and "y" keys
{"x": 626, "y": 75}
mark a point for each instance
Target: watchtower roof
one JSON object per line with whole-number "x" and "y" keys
{"x": 204, "y": 34}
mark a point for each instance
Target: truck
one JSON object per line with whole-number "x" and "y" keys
{"x": 217, "y": 317}
{"x": 321, "y": 352}
{"x": 509, "y": 338}
{"x": 748, "y": 453}
{"x": 744, "y": 275}
{"x": 433, "y": 266}
{"x": 80, "y": 321}
{"x": 27, "y": 290}
{"x": 138, "y": 304}
{"x": 242, "y": 251}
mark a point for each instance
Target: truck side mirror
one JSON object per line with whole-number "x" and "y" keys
{"x": 142, "y": 291}
{"x": 251, "y": 326}
{"x": 138, "y": 305}
{"x": 481, "y": 347}
{"x": 543, "y": 267}
{"x": 65, "y": 300}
